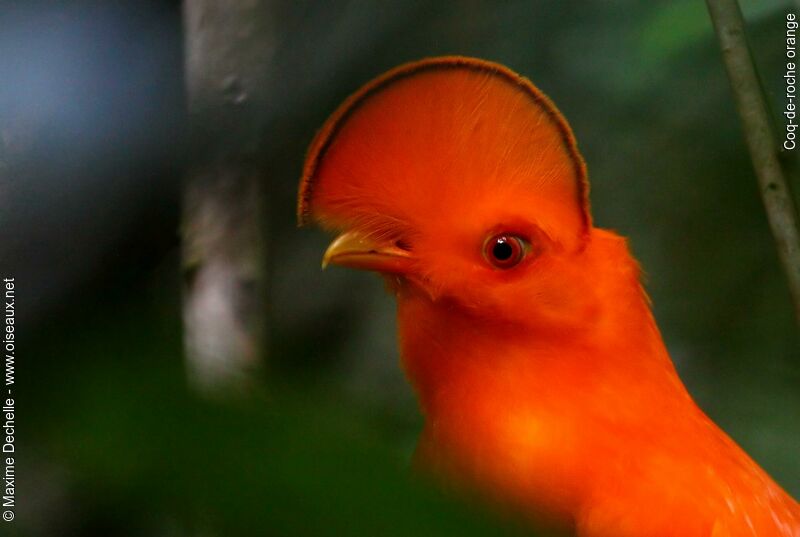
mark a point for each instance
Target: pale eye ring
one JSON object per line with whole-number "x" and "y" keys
{"x": 504, "y": 250}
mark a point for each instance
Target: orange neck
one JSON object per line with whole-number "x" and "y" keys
{"x": 525, "y": 410}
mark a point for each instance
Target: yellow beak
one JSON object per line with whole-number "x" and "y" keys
{"x": 357, "y": 250}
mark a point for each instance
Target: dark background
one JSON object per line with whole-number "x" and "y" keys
{"x": 92, "y": 107}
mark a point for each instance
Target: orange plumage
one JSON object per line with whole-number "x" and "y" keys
{"x": 540, "y": 371}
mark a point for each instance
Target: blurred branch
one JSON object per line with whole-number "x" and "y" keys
{"x": 751, "y": 104}
{"x": 223, "y": 228}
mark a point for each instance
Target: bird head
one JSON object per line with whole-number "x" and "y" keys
{"x": 462, "y": 183}
{"x": 524, "y": 329}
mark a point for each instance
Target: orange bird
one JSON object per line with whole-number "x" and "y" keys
{"x": 525, "y": 331}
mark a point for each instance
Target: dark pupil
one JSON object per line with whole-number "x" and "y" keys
{"x": 502, "y": 251}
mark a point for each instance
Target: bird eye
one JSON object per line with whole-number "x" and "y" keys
{"x": 504, "y": 251}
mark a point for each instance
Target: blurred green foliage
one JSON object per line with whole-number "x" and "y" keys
{"x": 146, "y": 457}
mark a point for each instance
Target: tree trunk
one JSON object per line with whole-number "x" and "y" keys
{"x": 228, "y": 47}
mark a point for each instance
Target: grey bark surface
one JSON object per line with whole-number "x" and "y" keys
{"x": 227, "y": 47}
{"x": 764, "y": 149}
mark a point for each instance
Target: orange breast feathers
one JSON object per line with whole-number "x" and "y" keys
{"x": 524, "y": 330}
